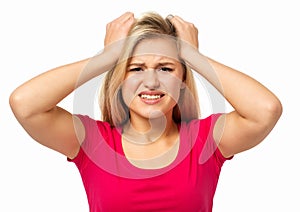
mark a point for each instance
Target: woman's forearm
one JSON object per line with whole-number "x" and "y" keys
{"x": 46, "y": 90}
{"x": 248, "y": 97}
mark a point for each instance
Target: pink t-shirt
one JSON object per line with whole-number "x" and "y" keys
{"x": 112, "y": 183}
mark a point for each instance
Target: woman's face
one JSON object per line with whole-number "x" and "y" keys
{"x": 153, "y": 79}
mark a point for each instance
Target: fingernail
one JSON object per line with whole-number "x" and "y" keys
{"x": 170, "y": 16}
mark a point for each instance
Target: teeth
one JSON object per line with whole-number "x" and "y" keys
{"x": 150, "y": 97}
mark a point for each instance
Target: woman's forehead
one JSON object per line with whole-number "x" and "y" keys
{"x": 162, "y": 47}
{"x": 153, "y": 59}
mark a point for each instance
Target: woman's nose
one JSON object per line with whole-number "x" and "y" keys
{"x": 151, "y": 79}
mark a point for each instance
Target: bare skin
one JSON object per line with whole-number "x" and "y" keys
{"x": 151, "y": 133}
{"x": 34, "y": 103}
{"x": 256, "y": 109}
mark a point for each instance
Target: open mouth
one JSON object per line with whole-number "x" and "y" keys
{"x": 151, "y": 96}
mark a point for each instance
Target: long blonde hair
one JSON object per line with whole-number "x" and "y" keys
{"x": 113, "y": 109}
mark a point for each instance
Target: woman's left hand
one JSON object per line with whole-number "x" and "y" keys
{"x": 186, "y": 31}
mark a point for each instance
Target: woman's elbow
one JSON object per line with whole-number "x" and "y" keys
{"x": 273, "y": 111}
{"x": 17, "y": 106}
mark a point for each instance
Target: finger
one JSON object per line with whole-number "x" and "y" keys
{"x": 129, "y": 20}
{"x": 179, "y": 19}
{"x": 125, "y": 17}
{"x": 170, "y": 16}
{"x": 177, "y": 22}
{"x": 121, "y": 19}
{"x": 174, "y": 19}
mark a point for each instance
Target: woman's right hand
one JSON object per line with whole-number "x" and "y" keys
{"x": 116, "y": 31}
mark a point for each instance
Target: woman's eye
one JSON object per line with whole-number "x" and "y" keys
{"x": 135, "y": 69}
{"x": 165, "y": 69}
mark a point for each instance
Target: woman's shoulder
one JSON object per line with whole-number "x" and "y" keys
{"x": 97, "y": 132}
{"x": 204, "y": 121}
{"x": 95, "y": 127}
{"x": 89, "y": 121}
{"x": 201, "y": 128}
{"x": 202, "y": 131}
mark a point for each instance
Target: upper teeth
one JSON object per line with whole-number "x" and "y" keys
{"x": 146, "y": 96}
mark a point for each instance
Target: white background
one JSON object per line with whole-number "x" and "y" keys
{"x": 260, "y": 38}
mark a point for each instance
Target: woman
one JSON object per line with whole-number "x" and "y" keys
{"x": 151, "y": 151}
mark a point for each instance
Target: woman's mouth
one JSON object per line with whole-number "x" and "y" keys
{"x": 151, "y": 98}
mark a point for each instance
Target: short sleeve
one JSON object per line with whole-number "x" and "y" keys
{"x": 220, "y": 157}
{"x": 210, "y": 148}
{"x": 91, "y": 131}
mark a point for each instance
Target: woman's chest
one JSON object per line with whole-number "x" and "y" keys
{"x": 185, "y": 187}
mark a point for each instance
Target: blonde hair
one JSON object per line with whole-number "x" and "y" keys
{"x": 113, "y": 109}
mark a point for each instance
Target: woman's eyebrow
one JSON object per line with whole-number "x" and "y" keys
{"x": 136, "y": 64}
{"x": 143, "y": 64}
{"x": 165, "y": 63}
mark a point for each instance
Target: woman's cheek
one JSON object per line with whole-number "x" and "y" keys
{"x": 172, "y": 85}
{"x": 129, "y": 89}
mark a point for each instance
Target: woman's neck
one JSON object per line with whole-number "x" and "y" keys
{"x": 148, "y": 130}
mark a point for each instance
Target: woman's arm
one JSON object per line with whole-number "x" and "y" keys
{"x": 34, "y": 103}
{"x": 256, "y": 109}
